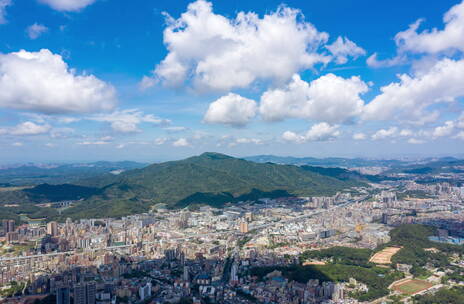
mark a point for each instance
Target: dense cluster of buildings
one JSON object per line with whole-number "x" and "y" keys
{"x": 205, "y": 255}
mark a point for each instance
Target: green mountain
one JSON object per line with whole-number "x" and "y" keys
{"x": 210, "y": 178}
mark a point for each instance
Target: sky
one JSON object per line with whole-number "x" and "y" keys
{"x": 88, "y": 80}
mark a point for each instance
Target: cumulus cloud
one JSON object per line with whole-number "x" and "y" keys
{"x": 406, "y": 133}
{"x": 385, "y": 133}
{"x": 127, "y": 121}
{"x": 160, "y": 141}
{"x": 42, "y": 82}
{"x": 243, "y": 141}
{"x": 93, "y": 143}
{"x": 359, "y": 136}
{"x": 343, "y": 48}
{"x": 232, "y": 109}
{"x": 460, "y": 135}
{"x": 409, "y": 98}
{"x": 219, "y": 53}
{"x": 67, "y": 5}
{"x": 445, "y": 130}
{"x": 3, "y": 6}
{"x": 329, "y": 98}
{"x": 415, "y": 141}
{"x": 432, "y": 42}
{"x": 17, "y": 144}
{"x": 435, "y": 40}
{"x": 35, "y": 30}
{"x": 319, "y": 132}
{"x": 181, "y": 142}
{"x": 175, "y": 129}
{"x": 374, "y": 62}
{"x": 460, "y": 122}
{"x": 27, "y": 128}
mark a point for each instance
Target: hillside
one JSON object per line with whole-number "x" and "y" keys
{"x": 210, "y": 178}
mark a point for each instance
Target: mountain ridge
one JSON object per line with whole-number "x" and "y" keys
{"x": 202, "y": 179}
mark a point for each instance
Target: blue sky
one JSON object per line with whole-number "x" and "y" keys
{"x": 84, "y": 80}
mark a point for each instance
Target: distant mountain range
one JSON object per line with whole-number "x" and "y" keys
{"x": 346, "y": 162}
{"x": 33, "y": 174}
{"x": 325, "y": 162}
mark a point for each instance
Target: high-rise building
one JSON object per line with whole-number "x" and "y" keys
{"x": 91, "y": 292}
{"x": 385, "y": 218}
{"x": 52, "y": 228}
{"x": 243, "y": 227}
{"x": 12, "y": 237}
{"x": 145, "y": 292}
{"x": 8, "y": 225}
{"x": 337, "y": 293}
{"x": 62, "y": 295}
{"x": 79, "y": 294}
{"x": 234, "y": 274}
{"x": 186, "y": 275}
{"x": 85, "y": 293}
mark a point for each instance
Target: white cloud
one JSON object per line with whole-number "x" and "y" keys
{"x": 435, "y": 40}
{"x": 181, "y": 142}
{"x": 445, "y": 130}
{"x": 319, "y": 132}
{"x": 147, "y": 82}
{"x": 93, "y": 143}
{"x": 61, "y": 132}
{"x": 460, "y": 122}
{"x": 17, "y": 144}
{"x": 29, "y": 128}
{"x": 460, "y": 135}
{"x": 409, "y": 98}
{"x": 68, "y": 120}
{"x": 406, "y": 133}
{"x": 3, "y": 6}
{"x": 67, "y": 5}
{"x": 359, "y": 136}
{"x": 244, "y": 141}
{"x": 175, "y": 129}
{"x": 231, "y": 109}
{"x": 42, "y": 82}
{"x": 329, "y": 98}
{"x": 415, "y": 141}
{"x": 372, "y": 61}
{"x": 220, "y": 54}
{"x": 35, "y": 30}
{"x": 385, "y": 133}
{"x": 343, "y": 48}
{"x": 160, "y": 141}
{"x": 127, "y": 121}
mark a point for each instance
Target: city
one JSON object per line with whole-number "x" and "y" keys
{"x": 206, "y": 254}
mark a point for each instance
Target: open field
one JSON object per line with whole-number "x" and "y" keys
{"x": 5, "y": 189}
{"x": 384, "y": 256}
{"x": 411, "y": 286}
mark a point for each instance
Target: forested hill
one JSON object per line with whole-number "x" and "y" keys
{"x": 210, "y": 178}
